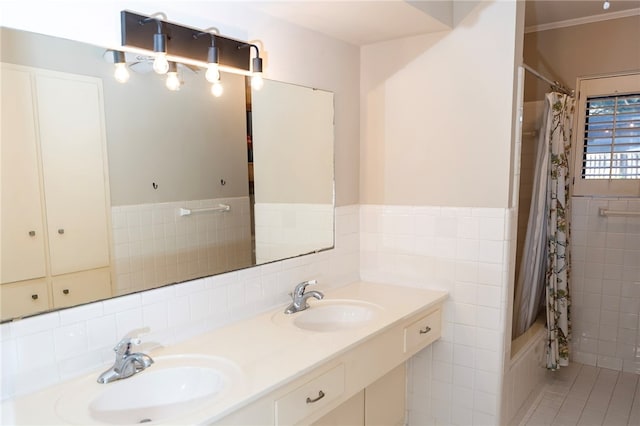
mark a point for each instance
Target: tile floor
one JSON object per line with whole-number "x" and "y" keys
{"x": 582, "y": 395}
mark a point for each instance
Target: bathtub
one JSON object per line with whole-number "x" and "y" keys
{"x": 525, "y": 372}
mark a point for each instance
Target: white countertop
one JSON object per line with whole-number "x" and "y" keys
{"x": 268, "y": 352}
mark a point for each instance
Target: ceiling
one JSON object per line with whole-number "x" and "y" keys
{"x": 361, "y": 22}
{"x": 542, "y": 12}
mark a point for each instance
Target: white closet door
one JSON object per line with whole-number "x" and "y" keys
{"x": 71, "y": 135}
{"x": 22, "y": 235}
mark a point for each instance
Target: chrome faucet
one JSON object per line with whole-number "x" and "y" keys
{"x": 299, "y": 297}
{"x": 127, "y": 364}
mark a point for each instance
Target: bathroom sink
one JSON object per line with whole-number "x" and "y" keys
{"x": 173, "y": 387}
{"x": 332, "y": 315}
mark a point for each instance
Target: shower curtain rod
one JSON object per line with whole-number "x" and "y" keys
{"x": 555, "y": 85}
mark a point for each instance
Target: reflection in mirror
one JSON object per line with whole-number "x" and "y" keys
{"x": 293, "y": 170}
{"x": 111, "y": 188}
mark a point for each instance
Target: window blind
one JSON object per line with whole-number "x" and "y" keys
{"x": 612, "y": 137}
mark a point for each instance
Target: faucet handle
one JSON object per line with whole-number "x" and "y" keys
{"x": 123, "y": 347}
{"x": 299, "y": 290}
{"x": 131, "y": 338}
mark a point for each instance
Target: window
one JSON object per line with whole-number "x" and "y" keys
{"x": 607, "y": 136}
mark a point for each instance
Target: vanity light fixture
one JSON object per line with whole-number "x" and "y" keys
{"x": 213, "y": 62}
{"x": 174, "y": 42}
{"x": 213, "y": 56}
{"x": 173, "y": 81}
{"x": 217, "y": 89}
{"x": 121, "y": 72}
{"x": 213, "y": 65}
{"x": 160, "y": 63}
{"x": 256, "y": 77}
{"x": 213, "y": 71}
{"x": 256, "y": 67}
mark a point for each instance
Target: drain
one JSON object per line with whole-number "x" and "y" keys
{"x": 145, "y": 421}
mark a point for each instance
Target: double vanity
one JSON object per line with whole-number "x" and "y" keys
{"x": 341, "y": 361}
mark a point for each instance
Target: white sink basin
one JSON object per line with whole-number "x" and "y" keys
{"x": 171, "y": 388}
{"x": 332, "y": 315}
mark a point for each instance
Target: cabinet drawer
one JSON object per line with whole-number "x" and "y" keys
{"x": 310, "y": 397}
{"x": 24, "y": 298}
{"x": 81, "y": 287}
{"x": 422, "y": 332}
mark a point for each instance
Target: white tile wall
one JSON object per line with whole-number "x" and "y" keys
{"x": 154, "y": 245}
{"x": 284, "y": 229}
{"x": 39, "y": 351}
{"x": 606, "y": 284}
{"x": 465, "y": 251}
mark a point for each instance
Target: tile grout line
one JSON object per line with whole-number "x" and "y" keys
{"x": 566, "y": 394}
{"x": 636, "y": 395}
{"x": 593, "y": 384}
{"x": 618, "y": 380}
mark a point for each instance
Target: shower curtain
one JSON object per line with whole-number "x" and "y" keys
{"x": 544, "y": 266}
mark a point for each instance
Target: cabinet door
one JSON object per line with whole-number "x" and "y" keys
{"x": 81, "y": 287}
{"x": 384, "y": 400}
{"x": 73, "y": 160}
{"x": 23, "y": 298}
{"x": 349, "y": 413}
{"x": 23, "y": 249}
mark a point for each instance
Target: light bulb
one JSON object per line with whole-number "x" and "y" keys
{"x": 213, "y": 73}
{"x": 256, "y": 81}
{"x": 606, "y": 5}
{"x": 121, "y": 73}
{"x": 217, "y": 89}
{"x": 161, "y": 64}
{"x": 173, "y": 82}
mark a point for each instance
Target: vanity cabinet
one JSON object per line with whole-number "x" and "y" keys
{"x": 23, "y": 241}
{"x": 312, "y": 396}
{"x": 24, "y": 298}
{"x": 55, "y": 201}
{"x": 385, "y": 399}
{"x": 79, "y": 287}
{"x": 364, "y": 386}
{"x": 350, "y": 412}
{"x": 380, "y": 404}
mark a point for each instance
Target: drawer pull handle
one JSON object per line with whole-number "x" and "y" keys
{"x": 34, "y": 296}
{"x": 425, "y": 330}
{"x": 61, "y": 231}
{"x": 65, "y": 291}
{"x": 32, "y": 233}
{"x": 320, "y": 396}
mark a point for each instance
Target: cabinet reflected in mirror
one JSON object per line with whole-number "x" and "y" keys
{"x": 97, "y": 176}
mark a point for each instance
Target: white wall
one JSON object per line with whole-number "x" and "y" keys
{"x": 306, "y": 147}
{"x": 437, "y": 119}
{"x": 436, "y": 113}
{"x": 591, "y": 49}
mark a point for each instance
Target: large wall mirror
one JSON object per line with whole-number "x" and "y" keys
{"x": 110, "y": 188}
